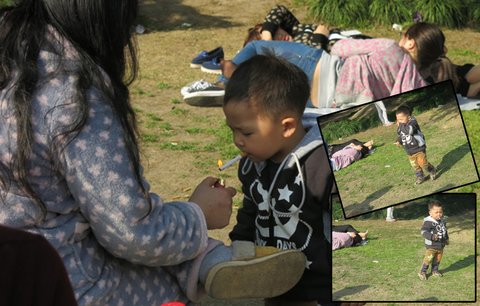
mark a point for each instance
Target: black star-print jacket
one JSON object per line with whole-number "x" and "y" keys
{"x": 435, "y": 233}
{"x": 290, "y": 209}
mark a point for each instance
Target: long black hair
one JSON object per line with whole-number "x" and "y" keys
{"x": 100, "y": 32}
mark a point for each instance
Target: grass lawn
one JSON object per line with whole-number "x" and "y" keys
{"x": 385, "y": 269}
{"x": 386, "y": 177}
{"x": 181, "y": 143}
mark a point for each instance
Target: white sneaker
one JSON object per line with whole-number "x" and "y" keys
{"x": 199, "y": 86}
{"x": 203, "y": 93}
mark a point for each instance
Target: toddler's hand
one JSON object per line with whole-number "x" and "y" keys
{"x": 216, "y": 203}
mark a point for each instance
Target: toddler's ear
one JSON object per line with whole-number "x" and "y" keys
{"x": 289, "y": 125}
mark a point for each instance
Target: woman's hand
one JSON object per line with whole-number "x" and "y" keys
{"x": 215, "y": 202}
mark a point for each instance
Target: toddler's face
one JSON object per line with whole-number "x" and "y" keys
{"x": 402, "y": 118}
{"x": 260, "y": 138}
{"x": 436, "y": 212}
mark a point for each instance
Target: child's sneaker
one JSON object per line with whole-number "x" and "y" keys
{"x": 206, "y": 56}
{"x": 212, "y": 66}
{"x": 420, "y": 179}
{"x": 422, "y": 275}
{"x": 437, "y": 274}
{"x": 433, "y": 174}
{"x": 265, "y": 275}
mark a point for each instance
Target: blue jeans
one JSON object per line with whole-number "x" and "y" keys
{"x": 302, "y": 56}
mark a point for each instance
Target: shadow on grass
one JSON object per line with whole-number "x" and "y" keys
{"x": 463, "y": 263}
{"x": 348, "y": 291}
{"x": 451, "y": 158}
{"x": 167, "y": 15}
{"x": 454, "y": 204}
{"x": 365, "y": 207}
{"x": 428, "y": 299}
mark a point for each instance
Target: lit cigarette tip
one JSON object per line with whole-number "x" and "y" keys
{"x": 229, "y": 163}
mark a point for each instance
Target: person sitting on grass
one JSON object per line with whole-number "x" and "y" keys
{"x": 344, "y": 236}
{"x": 70, "y": 170}
{"x": 435, "y": 232}
{"x": 413, "y": 141}
{"x": 349, "y": 154}
{"x": 285, "y": 175}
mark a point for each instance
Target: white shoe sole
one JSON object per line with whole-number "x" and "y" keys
{"x": 214, "y": 71}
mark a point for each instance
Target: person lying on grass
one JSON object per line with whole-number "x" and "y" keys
{"x": 343, "y": 157}
{"x": 344, "y": 236}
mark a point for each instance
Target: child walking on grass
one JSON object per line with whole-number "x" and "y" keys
{"x": 285, "y": 175}
{"x": 413, "y": 141}
{"x": 434, "y": 230}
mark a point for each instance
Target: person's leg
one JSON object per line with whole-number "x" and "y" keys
{"x": 416, "y": 167}
{"x": 382, "y": 113}
{"x": 426, "y": 166}
{"x": 427, "y": 260}
{"x": 473, "y": 90}
{"x": 473, "y": 75}
{"x": 437, "y": 258}
{"x": 390, "y": 217}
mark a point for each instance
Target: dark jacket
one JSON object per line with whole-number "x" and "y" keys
{"x": 411, "y": 137}
{"x": 435, "y": 233}
{"x": 273, "y": 213}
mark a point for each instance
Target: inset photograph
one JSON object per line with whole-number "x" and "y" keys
{"x": 426, "y": 254}
{"x": 396, "y": 150}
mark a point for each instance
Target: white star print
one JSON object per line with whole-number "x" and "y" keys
{"x": 285, "y": 193}
{"x": 307, "y": 265}
{"x": 298, "y": 180}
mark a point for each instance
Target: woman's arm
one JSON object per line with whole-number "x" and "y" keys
{"x": 129, "y": 224}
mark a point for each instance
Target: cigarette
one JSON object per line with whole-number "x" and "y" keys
{"x": 230, "y": 162}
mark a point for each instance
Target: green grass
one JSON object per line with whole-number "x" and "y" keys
{"x": 386, "y": 268}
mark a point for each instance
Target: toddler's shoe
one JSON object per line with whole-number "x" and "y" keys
{"x": 269, "y": 273}
{"x": 437, "y": 274}
{"x": 433, "y": 174}
{"x": 205, "y": 56}
{"x": 422, "y": 275}
{"x": 420, "y": 179}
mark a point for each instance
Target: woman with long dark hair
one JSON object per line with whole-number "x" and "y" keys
{"x": 70, "y": 167}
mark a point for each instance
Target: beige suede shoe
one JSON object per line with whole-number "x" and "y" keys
{"x": 271, "y": 272}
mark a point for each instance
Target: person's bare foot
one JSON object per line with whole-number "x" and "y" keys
{"x": 363, "y": 235}
{"x": 227, "y": 68}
